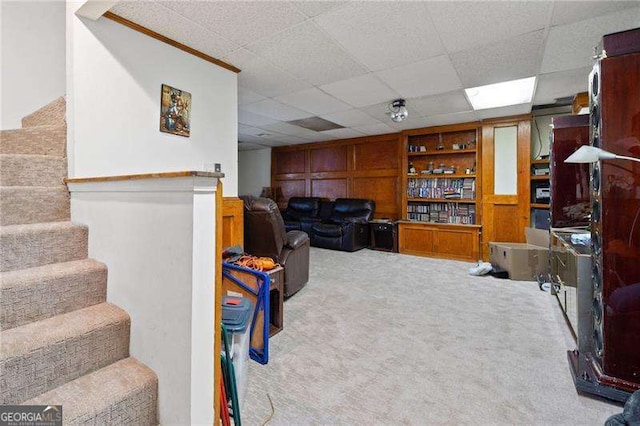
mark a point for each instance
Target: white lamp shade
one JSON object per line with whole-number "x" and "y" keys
{"x": 589, "y": 154}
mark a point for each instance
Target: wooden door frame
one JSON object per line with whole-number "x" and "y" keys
{"x": 489, "y": 199}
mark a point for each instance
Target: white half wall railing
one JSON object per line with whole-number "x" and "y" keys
{"x": 156, "y": 234}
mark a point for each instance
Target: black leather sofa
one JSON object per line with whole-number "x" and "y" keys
{"x": 301, "y": 213}
{"x": 347, "y": 228}
{"x": 339, "y": 225}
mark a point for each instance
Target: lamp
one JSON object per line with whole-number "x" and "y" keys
{"x": 398, "y": 110}
{"x": 591, "y": 154}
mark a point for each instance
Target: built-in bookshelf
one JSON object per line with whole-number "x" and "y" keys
{"x": 441, "y": 176}
{"x": 441, "y": 192}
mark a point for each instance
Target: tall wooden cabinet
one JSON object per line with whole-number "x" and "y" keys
{"x": 441, "y": 192}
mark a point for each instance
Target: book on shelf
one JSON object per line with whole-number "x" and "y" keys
{"x": 452, "y": 188}
{"x": 442, "y": 213}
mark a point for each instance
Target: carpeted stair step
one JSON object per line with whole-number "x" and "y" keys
{"x": 33, "y": 204}
{"x": 51, "y": 114}
{"x": 41, "y": 140}
{"x": 43, "y": 355}
{"x": 35, "y": 294}
{"x": 27, "y": 246}
{"x": 123, "y": 393}
{"x": 32, "y": 170}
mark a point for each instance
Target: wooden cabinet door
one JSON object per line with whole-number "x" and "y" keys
{"x": 505, "y": 180}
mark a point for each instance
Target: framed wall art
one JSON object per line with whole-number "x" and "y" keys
{"x": 175, "y": 111}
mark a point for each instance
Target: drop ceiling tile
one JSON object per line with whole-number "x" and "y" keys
{"x": 383, "y": 34}
{"x": 276, "y": 110}
{"x": 240, "y": 21}
{"x": 262, "y": 77}
{"x": 414, "y": 121}
{"x": 351, "y": 118}
{"x": 566, "y": 12}
{"x": 444, "y": 103}
{"x": 247, "y": 146}
{"x": 380, "y": 111}
{"x": 251, "y": 119}
{"x": 429, "y": 77}
{"x": 453, "y": 118}
{"x": 375, "y": 129}
{"x": 245, "y": 130}
{"x": 287, "y": 139}
{"x": 465, "y": 24}
{"x": 322, "y": 136}
{"x": 308, "y": 53}
{"x": 290, "y": 129}
{"x": 518, "y": 57}
{"x": 313, "y": 8}
{"x": 561, "y": 84}
{"x": 343, "y": 133}
{"x": 246, "y": 96}
{"x": 313, "y": 100}
{"x": 158, "y": 18}
{"x": 504, "y": 111}
{"x": 360, "y": 91}
{"x": 571, "y": 46}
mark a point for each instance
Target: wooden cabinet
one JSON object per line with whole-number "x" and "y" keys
{"x": 461, "y": 242}
{"x": 441, "y": 189}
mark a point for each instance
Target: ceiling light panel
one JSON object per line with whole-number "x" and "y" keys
{"x": 429, "y": 77}
{"x": 496, "y": 95}
{"x": 360, "y": 91}
{"x": 314, "y": 100}
{"x": 307, "y": 52}
{"x": 276, "y": 110}
{"x": 240, "y": 21}
{"x": 500, "y": 61}
{"x": 458, "y": 22}
{"x": 376, "y": 32}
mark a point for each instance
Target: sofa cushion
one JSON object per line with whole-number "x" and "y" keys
{"x": 302, "y": 207}
{"x": 327, "y": 230}
{"x": 352, "y": 209}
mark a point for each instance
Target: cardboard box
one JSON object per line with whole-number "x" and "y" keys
{"x": 523, "y": 261}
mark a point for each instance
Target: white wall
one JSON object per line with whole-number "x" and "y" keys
{"x": 32, "y": 59}
{"x": 156, "y": 237}
{"x": 114, "y": 83}
{"x": 254, "y": 171}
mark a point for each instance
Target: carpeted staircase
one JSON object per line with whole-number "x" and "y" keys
{"x": 60, "y": 341}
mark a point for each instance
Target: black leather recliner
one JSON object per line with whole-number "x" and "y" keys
{"x": 265, "y": 235}
{"x": 301, "y": 213}
{"x": 347, "y": 229}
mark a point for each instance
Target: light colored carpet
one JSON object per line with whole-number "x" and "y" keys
{"x": 382, "y": 338}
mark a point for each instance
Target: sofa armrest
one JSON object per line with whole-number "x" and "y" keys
{"x": 296, "y": 239}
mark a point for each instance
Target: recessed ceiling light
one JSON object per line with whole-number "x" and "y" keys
{"x": 512, "y": 92}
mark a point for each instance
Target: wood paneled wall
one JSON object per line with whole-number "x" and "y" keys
{"x": 367, "y": 167}
{"x": 232, "y": 222}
